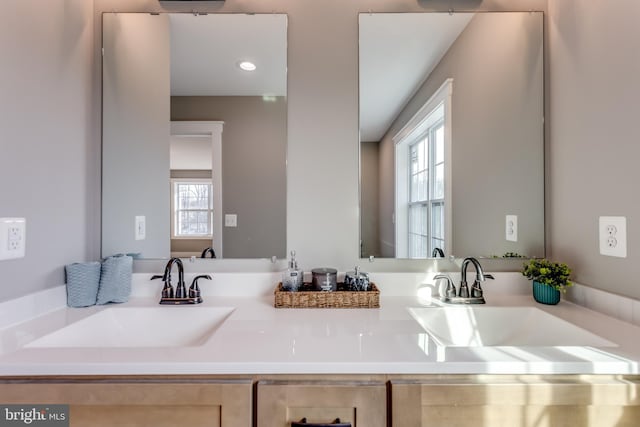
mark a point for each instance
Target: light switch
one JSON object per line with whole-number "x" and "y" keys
{"x": 141, "y": 227}
{"x": 230, "y": 220}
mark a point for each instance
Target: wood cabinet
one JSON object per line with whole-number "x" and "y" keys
{"x": 144, "y": 402}
{"x": 362, "y": 400}
{"x": 363, "y": 404}
{"x": 516, "y": 401}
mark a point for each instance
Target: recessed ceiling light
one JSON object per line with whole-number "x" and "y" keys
{"x": 247, "y": 65}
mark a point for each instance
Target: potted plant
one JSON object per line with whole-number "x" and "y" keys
{"x": 549, "y": 279}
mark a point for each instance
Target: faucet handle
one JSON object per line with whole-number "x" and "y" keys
{"x": 194, "y": 284}
{"x": 167, "y": 290}
{"x": 450, "y": 290}
{"x": 194, "y": 289}
{"x": 476, "y": 289}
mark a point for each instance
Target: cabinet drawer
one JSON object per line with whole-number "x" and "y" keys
{"x": 363, "y": 404}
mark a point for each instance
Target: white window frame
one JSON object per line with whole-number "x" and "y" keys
{"x": 416, "y": 127}
{"x": 427, "y": 141}
{"x": 174, "y": 208}
{"x": 213, "y": 130}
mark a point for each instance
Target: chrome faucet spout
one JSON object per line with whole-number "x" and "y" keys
{"x": 476, "y": 264}
{"x": 476, "y": 289}
{"x": 464, "y": 295}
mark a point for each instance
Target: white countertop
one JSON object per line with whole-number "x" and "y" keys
{"x": 257, "y": 338}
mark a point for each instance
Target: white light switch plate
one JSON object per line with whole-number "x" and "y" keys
{"x": 612, "y": 232}
{"x": 141, "y": 227}
{"x": 231, "y": 220}
{"x": 12, "y": 238}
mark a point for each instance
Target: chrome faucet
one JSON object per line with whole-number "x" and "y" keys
{"x": 464, "y": 290}
{"x": 462, "y": 295}
{"x": 180, "y": 296}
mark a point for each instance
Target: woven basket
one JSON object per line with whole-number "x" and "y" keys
{"x": 319, "y": 299}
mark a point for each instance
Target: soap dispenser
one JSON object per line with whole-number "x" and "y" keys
{"x": 292, "y": 277}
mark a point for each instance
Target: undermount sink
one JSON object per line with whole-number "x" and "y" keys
{"x": 140, "y": 327}
{"x": 501, "y": 326}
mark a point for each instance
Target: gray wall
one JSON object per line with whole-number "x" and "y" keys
{"x": 594, "y": 150}
{"x": 497, "y": 148}
{"x": 322, "y": 97}
{"x": 48, "y": 157}
{"x": 369, "y": 200}
{"x": 254, "y": 180}
{"x": 49, "y": 79}
{"x": 136, "y": 133}
{"x": 55, "y": 48}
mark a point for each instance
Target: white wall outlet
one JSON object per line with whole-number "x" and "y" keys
{"x": 231, "y": 220}
{"x": 511, "y": 230}
{"x": 612, "y": 231}
{"x": 13, "y": 238}
{"x": 141, "y": 227}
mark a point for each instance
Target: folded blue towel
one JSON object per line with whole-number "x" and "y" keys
{"x": 83, "y": 279}
{"x": 115, "y": 279}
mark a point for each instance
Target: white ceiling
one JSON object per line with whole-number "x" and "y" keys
{"x": 205, "y": 51}
{"x": 398, "y": 51}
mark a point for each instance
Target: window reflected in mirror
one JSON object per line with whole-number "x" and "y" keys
{"x": 451, "y": 134}
{"x": 186, "y": 98}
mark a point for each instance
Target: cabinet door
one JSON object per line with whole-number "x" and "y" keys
{"x": 131, "y": 403}
{"x": 521, "y": 401}
{"x": 363, "y": 404}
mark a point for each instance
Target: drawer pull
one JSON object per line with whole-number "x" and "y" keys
{"x": 335, "y": 423}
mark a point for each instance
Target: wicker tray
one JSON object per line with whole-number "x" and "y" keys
{"x": 307, "y": 298}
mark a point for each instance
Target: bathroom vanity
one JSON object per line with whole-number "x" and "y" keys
{"x": 364, "y": 400}
{"x": 237, "y": 360}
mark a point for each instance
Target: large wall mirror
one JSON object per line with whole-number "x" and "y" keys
{"x": 451, "y": 134}
{"x": 194, "y": 134}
